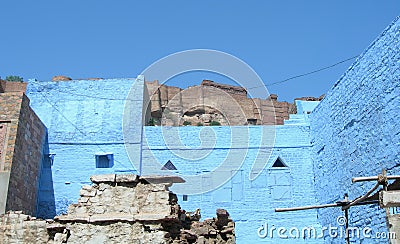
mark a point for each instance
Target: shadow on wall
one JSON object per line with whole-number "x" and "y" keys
{"x": 46, "y": 207}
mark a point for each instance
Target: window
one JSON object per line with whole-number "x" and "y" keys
{"x": 251, "y": 121}
{"x": 104, "y": 160}
{"x": 169, "y": 166}
{"x": 185, "y": 198}
{"x": 279, "y": 163}
{"x": 280, "y": 181}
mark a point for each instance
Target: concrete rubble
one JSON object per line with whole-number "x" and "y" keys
{"x": 121, "y": 209}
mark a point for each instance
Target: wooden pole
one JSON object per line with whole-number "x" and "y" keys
{"x": 373, "y": 178}
{"x": 339, "y": 204}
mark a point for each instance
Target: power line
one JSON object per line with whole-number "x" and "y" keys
{"x": 267, "y": 85}
{"x": 305, "y": 74}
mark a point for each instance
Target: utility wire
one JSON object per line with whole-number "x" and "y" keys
{"x": 267, "y": 85}
{"x": 305, "y": 74}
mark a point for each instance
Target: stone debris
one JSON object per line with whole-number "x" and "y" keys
{"x": 121, "y": 209}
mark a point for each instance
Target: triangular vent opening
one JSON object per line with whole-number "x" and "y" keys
{"x": 279, "y": 163}
{"x": 169, "y": 166}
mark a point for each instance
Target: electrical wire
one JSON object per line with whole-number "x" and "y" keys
{"x": 305, "y": 74}
{"x": 218, "y": 95}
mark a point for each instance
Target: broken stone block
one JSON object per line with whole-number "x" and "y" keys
{"x": 159, "y": 179}
{"x": 111, "y": 217}
{"x": 87, "y": 192}
{"x": 200, "y": 228}
{"x": 188, "y": 235}
{"x": 60, "y": 238}
{"x": 227, "y": 230}
{"x": 110, "y": 178}
{"x": 222, "y": 218}
{"x": 127, "y": 178}
{"x": 83, "y": 199}
{"x": 103, "y": 186}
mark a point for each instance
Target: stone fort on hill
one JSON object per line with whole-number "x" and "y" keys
{"x": 211, "y": 101}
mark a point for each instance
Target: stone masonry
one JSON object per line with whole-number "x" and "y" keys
{"x": 22, "y": 148}
{"x": 211, "y": 101}
{"x": 121, "y": 209}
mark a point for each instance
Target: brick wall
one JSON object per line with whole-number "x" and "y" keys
{"x": 355, "y": 131}
{"x": 22, "y": 151}
{"x": 27, "y": 161}
{"x": 9, "y": 115}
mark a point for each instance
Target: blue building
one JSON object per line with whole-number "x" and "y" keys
{"x": 355, "y": 132}
{"x": 248, "y": 170}
{"x": 285, "y": 179}
{"x": 84, "y": 119}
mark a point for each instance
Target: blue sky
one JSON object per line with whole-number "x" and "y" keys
{"x": 278, "y": 39}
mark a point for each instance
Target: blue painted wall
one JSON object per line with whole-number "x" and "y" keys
{"x": 250, "y": 203}
{"x": 83, "y": 117}
{"x": 355, "y": 131}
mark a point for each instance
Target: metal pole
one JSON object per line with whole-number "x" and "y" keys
{"x": 346, "y": 215}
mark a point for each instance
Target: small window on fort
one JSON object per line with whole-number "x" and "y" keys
{"x": 279, "y": 163}
{"x": 169, "y": 166}
{"x": 184, "y": 198}
{"x": 251, "y": 121}
{"x": 104, "y": 160}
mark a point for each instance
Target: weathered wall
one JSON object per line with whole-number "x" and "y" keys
{"x": 84, "y": 117}
{"x": 355, "y": 131}
{"x": 9, "y": 115}
{"x": 198, "y": 150}
{"x": 121, "y": 209}
{"x": 29, "y": 155}
{"x": 22, "y": 147}
{"x": 17, "y": 227}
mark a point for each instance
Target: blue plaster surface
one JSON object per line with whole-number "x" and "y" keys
{"x": 355, "y": 132}
{"x": 84, "y": 117}
{"x": 305, "y": 107}
{"x": 250, "y": 203}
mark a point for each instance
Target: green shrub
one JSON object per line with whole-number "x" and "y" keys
{"x": 14, "y": 78}
{"x": 152, "y": 122}
{"x": 186, "y": 123}
{"x": 199, "y": 124}
{"x": 215, "y": 123}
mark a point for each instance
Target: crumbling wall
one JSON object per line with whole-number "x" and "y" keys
{"x": 121, "y": 209}
{"x": 16, "y": 227}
